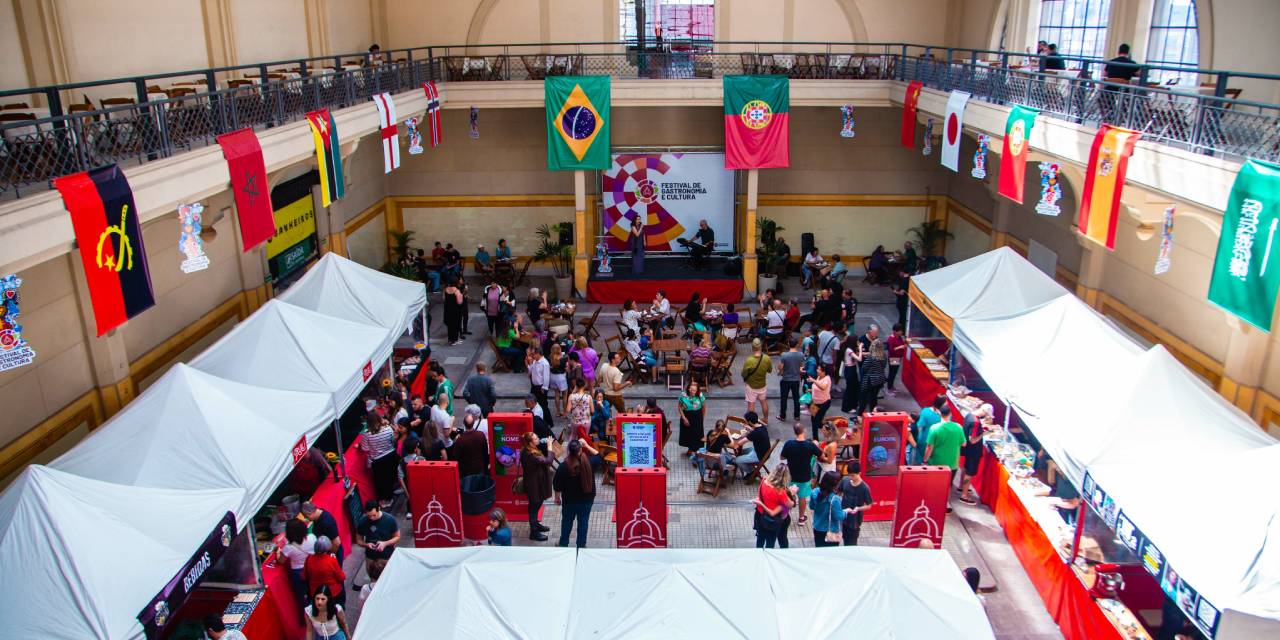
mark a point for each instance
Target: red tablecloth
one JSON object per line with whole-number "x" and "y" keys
{"x": 277, "y": 614}
{"x": 330, "y": 495}
{"x": 917, "y": 378}
{"x": 1064, "y": 595}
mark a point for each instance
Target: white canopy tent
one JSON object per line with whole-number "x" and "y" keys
{"x": 991, "y": 285}
{"x": 282, "y": 346}
{"x": 341, "y": 288}
{"x": 193, "y": 430}
{"x": 487, "y": 592}
{"x": 81, "y": 557}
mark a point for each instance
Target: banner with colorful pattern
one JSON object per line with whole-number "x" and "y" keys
{"x": 190, "y": 245}
{"x": 846, "y": 126}
{"x": 1050, "y": 190}
{"x": 928, "y": 137}
{"x": 980, "y": 157}
{"x": 14, "y": 350}
{"x": 1166, "y": 241}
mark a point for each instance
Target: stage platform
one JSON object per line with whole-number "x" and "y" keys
{"x": 672, "y": 274}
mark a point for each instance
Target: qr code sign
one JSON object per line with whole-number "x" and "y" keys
{"x": 639, "y": 456}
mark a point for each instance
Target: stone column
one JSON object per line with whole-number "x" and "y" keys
{"x": 107, "y": 356}
{"x": 252, "y": 267}
{"x": 1004, "y": 213}
{"x": 1245, "y": 364}
{"x": 582, "y": 235}
{"x": 1092, "y": 265}
{"x": 750, "y": 262}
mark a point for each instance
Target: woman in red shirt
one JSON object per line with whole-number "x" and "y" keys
{"x": 773, "y": 508}
{"x": 322, "y": 568}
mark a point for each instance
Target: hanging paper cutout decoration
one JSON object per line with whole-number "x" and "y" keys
{"x": 190, "y": 222}
{"x": 415, "y": 136}
{"x": 846, "y": 128}
{"x": 14, "y": 350}
{"x": 1166, "y": 241}
{"x": 928, "y": 137}
{"x": 980, "y": 157}
{"x": 1050, "y": 190}
{"x": 475, "y": 123}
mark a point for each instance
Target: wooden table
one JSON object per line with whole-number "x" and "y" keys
{"x": 671, "y": 345}
{"x": 562, "y": 311}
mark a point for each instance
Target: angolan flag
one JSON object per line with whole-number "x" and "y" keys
{"x": 756, "y": 122}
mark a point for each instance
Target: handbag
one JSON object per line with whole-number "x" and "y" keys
{"x": 837, "y": 536}
{"x": 517, "y": 486}
{"x": 765, "y": 523}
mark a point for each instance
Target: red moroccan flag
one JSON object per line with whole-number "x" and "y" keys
{"x": 909, "y": 113}
{"x": 756, "y": 127}
{"x": 109, "y": 235}
{"x": 249, "y": 186}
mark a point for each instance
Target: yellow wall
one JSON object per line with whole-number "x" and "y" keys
{"x": 849, "y": 230}
{"x": 466, "y": 225}
{"x": 367, "y": 244}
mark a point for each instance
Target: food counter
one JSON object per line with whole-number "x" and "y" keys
{"x": 924, "y": 373}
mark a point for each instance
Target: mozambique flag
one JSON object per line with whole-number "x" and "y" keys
{"x": 756, "y": 122}
{"x": 109, "y": 235}
{"x": 328, "y": 155}
{"x": 1013, "y": 160}
{"x": 910, "y": 100}
{"x": 577, "y": 122}
{"x": 1103, "y": 183}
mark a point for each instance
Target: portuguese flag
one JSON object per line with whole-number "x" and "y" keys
{"x": 577, "y": 109}
{"x": 328, "y": 155}
{"x": 756, "y": 122}
{"x": 1013, "y": 160}
{"x": 109, "y": 234}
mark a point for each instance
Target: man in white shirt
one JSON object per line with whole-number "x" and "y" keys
{"x": 662, "y": 307}
{"x": 539, "y": 380}
{"x": 777, "y": 319}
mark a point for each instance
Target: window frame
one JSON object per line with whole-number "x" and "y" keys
{"x": 1190, "y": 28}
{"x": 1091, "y": 24}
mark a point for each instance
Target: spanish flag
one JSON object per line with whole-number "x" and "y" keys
{"x": 1103, "y": 183}
{"x": 109, "y": 234}
{"x": 328, "y": 155}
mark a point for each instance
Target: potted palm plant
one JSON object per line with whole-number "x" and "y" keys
{"x": 767, "y": 243}
{"x": 401, "y": 243}
{"x": 560, "y": 255}
{"x": 929, "y": 237}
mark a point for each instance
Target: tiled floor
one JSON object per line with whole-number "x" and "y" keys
{"x": 702, "y": 521}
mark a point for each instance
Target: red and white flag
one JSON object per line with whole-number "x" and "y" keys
{"x": 953, "y": 130}
{"x": 390, "y": 134}
{"x": 433, "y": 113}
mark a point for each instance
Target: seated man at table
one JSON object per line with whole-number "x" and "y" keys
{"x": 814, "y": 266}
{"x": 1053, "y": 61}
{"x": 503, "y": 251}
{"x": 428, "y": 272}
{"x": 838, "y": 269}
{"x": 775, "y": 322}
{"x": 483, "y": 263}
{"x": 452, "y": 262}
{"x": 745, "y": 450}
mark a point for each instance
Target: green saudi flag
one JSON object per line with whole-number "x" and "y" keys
{"x": 577, "y": 122}
{"x": 1246, "y": 271}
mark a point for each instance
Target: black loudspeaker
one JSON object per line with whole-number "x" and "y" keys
{"x": 806, "y": 244}
{"x": 566, "y": 234}
{"x": 734, "y": 266}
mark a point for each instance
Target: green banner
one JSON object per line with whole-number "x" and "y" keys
{"x": 577, "y": 122}
{"x": 1246, "y": 274}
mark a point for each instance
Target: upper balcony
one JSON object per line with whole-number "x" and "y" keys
{"x": 52, "y": 131}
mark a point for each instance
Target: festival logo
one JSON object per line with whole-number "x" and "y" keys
{"x": 14, "y": 350}
{"x": 756, "y": 114}
{"x": 415, "y": 136}
{"x": 921, "y": 526}
{"x": 435, "y": 523}
{"x": 642, "y": 532}
{"x": 189, "y": 242}
{"x": 647, "y": 191}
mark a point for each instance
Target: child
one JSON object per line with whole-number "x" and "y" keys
{"x": 499, "y": 531}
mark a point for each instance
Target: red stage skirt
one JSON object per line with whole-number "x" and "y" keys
{"x": 679, "y": 291}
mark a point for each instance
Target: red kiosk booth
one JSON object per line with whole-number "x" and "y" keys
{"x": 882, "y": 455}
{"x": 435, "y": 502}
{"x": 641, "y": 508}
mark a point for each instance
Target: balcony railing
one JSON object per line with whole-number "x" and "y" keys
{"x": 38, "y": 144}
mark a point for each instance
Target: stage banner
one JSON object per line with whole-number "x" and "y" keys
{"x": 577, "y": 109}
{"x": 1242, "y": 281}
{"x": 882, "y": 453}
{"x": 505, "y": 430}
{"x": 673, "y": 191}
{"x": 909, "y": 101}
{"x": 953, "y": 129}
{"x": 921, "y": 512}
{"x": 1104, "y": 182}
{"x": 756, "y": 122}
{"x": 641, "y": 508}
{"x": 1013, "y": 160}
{"x": 436, "y": 502}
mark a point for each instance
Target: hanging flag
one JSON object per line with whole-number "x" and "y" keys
{"x": 909, "y": 102}
{"x": 1103, "y": 183}
{"x": 846, "y": 128}
{"x": 324, "y": 133}
{"x": 1166, "y": 241}
{"x": 190, "y": 223}
{"x": 953, "y": 130}
{"x": 577, "y": 112}
{"x": 415, "y": 136}
{"x": 757, "y": 122}
{"x": 109, "y": 235}
{"x": 980, "y": 157}
{"x": 928, "y": 137}
{"x": 14, "y": 350}
{"x": 1013, "y": 160}
{"x": 475, "y": 123}
{"x": 1050, "y": 190}
{"x": 390, "y": 134}
{"x": 249, "y": 186}
{"x": 1243, "y": 281}
{"x": 433, "y": 113}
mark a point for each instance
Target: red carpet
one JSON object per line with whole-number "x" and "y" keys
{"x": 679, "y": 291}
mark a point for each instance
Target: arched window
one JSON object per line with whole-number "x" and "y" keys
{"x": 1175, "y": 40}
{"x": 679, "y": 19}
{"x": 1078, "y": 27}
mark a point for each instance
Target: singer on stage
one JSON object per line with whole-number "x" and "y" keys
{"x": 636, "y": 239}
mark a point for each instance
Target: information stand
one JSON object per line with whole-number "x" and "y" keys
{"x": 435, "y": 503}
{"x": 882, "y": 455}
{"x": 639, "y": 440}
{"x": 921, "y": 512}
{"x": 641, "y": 508}
{"x": 505, "y": 430}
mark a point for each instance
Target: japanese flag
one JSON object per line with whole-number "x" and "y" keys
{"x": 953, "y": 129}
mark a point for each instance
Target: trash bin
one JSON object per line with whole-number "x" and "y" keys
{"x": 477, "y": 494}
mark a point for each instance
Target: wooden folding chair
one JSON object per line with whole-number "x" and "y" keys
{"x": 499, "y": 363}
{"x": 674, "y": 368}
{"x": 722, "y": 370}
{"x": 520, "y": 276}
{"x": 700, "y": 371}
{"x": 609, "y": 454}
{"x": 589, "y": 325}
{"x": 714, "y": 476}
{"x": 762, "y": 466}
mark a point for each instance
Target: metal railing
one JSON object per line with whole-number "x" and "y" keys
{"x": 137, "y": 128}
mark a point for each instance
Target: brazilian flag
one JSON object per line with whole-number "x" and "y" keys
{"x": 577, "y": 122}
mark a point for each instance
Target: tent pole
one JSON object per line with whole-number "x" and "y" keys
{"x": 342, "y": 454}
{"x": 253, "y": 545}
{"x": 424, "y": 324}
